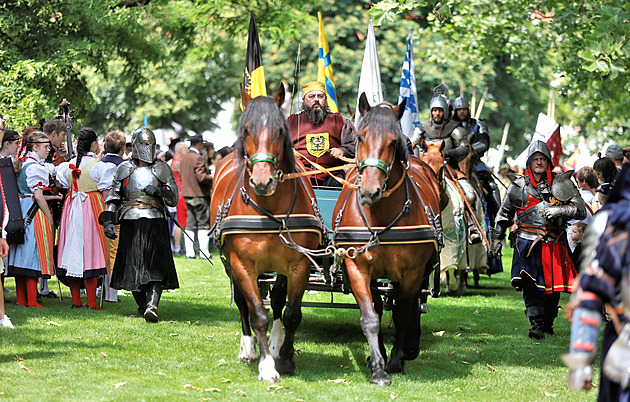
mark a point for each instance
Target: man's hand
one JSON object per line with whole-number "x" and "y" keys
{"x": 554, "y": 211}
{"x": 4, "y": 248}
{"x": 151, "y": 191}
{"x": 336, "y": 152}
{"x": 110, "y": 231}
{"x": 62, "y": 151}
{"x": 496, "y": 243}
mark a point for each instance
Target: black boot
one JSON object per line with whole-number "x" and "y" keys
{"x": 550, "y": 301}
{"x": 154, "y": 293}
{"x": 141, "y": 301}
{"x": 537, "y": 329}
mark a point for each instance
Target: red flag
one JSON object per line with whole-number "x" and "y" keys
{"x": 555, "y": 146}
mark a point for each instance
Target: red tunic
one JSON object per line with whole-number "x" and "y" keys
{"x": 313, "y": 141}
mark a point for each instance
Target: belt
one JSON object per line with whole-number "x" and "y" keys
{"x": 540, "y": 231}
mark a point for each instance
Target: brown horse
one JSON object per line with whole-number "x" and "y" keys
{"x": 390, "y": 227}
{"x": 259, "y": 221}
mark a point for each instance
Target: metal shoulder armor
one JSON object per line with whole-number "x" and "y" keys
{"x": 517, "y": 193}
{"x": 124, "y": 170}
{"x": 164, "y": 174}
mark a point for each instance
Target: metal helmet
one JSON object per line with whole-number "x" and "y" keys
{"x": 543, "y": 148}
{"x": 143, "y": 145}
{"x": 461, "y": 103}
{"x": 439, "y": 102}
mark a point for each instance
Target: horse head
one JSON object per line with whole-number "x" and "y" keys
{"x": 381, "y": 147}
{"x": 264, "y": 141}
{"x": 433, "y": 155}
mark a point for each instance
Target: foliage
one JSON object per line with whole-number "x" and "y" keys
{"x": 116, "y": 61}
{"x": 581, "y": 48}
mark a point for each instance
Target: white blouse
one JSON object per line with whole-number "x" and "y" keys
{"x": 37, "y": 174}
{"x": 102, "y": 173}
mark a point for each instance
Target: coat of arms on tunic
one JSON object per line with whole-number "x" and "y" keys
{"x": 317, "y": 144}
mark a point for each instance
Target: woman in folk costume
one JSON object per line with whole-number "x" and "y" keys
{"x": 83, "y": 248}
{"x": 34, "y": 258}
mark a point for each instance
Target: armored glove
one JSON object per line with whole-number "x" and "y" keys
{"x": 554, "y": 211}
{"x": 496, "y": 242}
{"x": 110, "y": 230}
{"x": 581, "y": 370}
{"x": 152, "y": 191}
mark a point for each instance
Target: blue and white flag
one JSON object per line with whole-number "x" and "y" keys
{"x": 408, "y": 91}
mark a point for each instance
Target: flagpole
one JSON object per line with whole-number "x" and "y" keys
{"x": 296, "y": 77}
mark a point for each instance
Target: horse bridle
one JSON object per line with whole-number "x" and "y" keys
{"x": 264, "y": 157}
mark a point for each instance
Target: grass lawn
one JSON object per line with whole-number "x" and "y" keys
{"x": 473, "y": 347}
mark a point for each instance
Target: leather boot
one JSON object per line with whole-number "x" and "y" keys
{"x": 538, "y": 323}
{"x": 141, "y": 301}
{"x": 188, "y": 242}
{"x": 154, "y": 293}
{"x": 474, "y": 237}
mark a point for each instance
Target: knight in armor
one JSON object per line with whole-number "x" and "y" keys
{"x": 441, "y": 128}
{"x": 142, "y": 188}
{"x": 479, "y": 143}
{"x": 605, "y": 283}
{"x": 541, "y": 265}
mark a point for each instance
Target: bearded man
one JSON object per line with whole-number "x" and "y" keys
{"x": 321, "y": 135}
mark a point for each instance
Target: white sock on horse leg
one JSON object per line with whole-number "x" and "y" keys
{"x": 267, "y": 370}
{"x": 276, "y": 338}
{"x": 248, "y": 351}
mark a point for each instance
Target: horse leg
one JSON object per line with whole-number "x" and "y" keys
{"x": 248, "y": 351}
{"x": 401, "y": 313}
{"x": 370, "y": 322}
{"x": 378, "y": 307}
{"x": 412, "y": 338}
{"x": 258, "y": 318}
{"x": 278, "y": 300}
{"x": 292, "y": 318}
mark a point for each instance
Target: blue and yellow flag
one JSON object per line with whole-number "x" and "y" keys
{"x": 324, "y": 68}
{"x": 254, "y": 78}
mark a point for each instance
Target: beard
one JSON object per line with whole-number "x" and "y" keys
{"x": 315, "y": 116}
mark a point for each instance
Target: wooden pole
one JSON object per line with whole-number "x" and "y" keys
{"x": 481, "y": 102}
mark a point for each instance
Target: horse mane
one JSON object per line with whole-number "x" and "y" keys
{"x": 263, "y": 112}
{"x": 382, "y": 119}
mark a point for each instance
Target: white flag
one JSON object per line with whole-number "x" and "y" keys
{"x": 370, "y": 81}
{"x": 408, "y": 91}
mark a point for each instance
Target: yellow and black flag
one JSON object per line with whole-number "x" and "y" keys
{"x": 254, "y": 79}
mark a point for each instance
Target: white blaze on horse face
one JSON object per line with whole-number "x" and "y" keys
{"x": 267, "y": 370}
{"x": 276, "y": 338}
{"x": 248, "y": 351}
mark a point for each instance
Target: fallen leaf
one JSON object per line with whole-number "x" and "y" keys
{"x": 22, "y": 367}
{"x": 173, "y": 334}
{"x": 439, "y": 333}
{"x": 550, "y": 395}
{"x": 212, "y": 389}
{"x": 56, "y": 324}
{"x": 393, "y": 395}
{"x": 453, "y": 352}
{"x": 85, "y": 358}
{"x": 491, "y": 368}
{"x": 240, "y": 392}
{"x": 18, "y": 358}
{"x": 160, "y": 373}
{"x": 483, "y": 387}
{"x": 120, "y": 384}
{"x": 103, "y": 353}
{"x": 457, "y": 390}
{"x": 206, "y": 399}
{"x": 515, "y": 352}
{"x": 465, "y": 362}
{"x": 339, "y": 381}
{"x": 226, "y": 380}
{"x": 274, "y": 387}
{"x": 476, "y": 312}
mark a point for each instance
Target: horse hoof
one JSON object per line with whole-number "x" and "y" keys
{"x": 412, "y": 354}
{"x": 380, "y": 377}
{"x": 267, "y": 370}
{"x": 285, "y": 367}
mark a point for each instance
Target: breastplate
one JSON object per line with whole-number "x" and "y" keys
{"x": 136, "y": 182}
